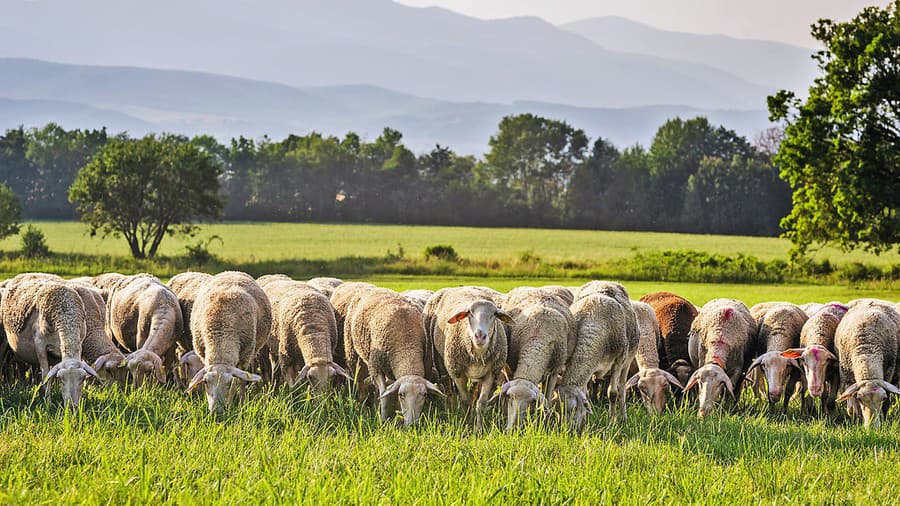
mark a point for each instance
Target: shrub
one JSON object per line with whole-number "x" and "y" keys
{"x": 198, "y": 253}
{"x": 441, "y": 252}
{"x": 856, "y": 272}
{"x": 34, "y": 244}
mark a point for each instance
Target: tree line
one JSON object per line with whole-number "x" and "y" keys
{"x": 538, "y": 172}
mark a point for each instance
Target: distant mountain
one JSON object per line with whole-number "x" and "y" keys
{"x": 427, "y": 52}
{"x": 768, "y": 64}
{"x": 142, "y": 100}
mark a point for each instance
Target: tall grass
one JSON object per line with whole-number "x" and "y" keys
{"x": 160, "y": 446}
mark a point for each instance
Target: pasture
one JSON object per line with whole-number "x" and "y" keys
{"x": 160, "y": 445}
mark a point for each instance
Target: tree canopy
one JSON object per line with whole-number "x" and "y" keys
{"x": 144, "y": 189}
{"x": 841, "y": 151}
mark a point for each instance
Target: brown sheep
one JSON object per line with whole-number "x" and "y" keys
{"x": 675, "y": 316}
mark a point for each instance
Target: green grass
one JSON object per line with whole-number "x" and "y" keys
{"x": 160, "y": 445}
{"x": 254, "y": 242}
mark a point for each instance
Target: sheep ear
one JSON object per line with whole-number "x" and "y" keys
{"x": 434, "y": 389}
{"x": 672, "y": 379}
{"x": 756, "y": 363}
{"x": 504, "y": 317}
{"x": 52, "y": 373}
{"x": 391, "y": 389}
{"x": 244, "y": 375}
{"x": 849, "y": 392}
{"x": 199, "y": 378}
{"x": 730, "y": 386}
{"x": 303, "y": 374}
{"x": 88, "y": 369}
{"x": 632, "y": 381}
{"x": 692, "y": 381}
{"x": 889, "y": 387}
{"x": 458, "y": 317}
{"x": 187, "y": 356}
{"x": 793, "y": 353}
{"x": 340, "y": 371}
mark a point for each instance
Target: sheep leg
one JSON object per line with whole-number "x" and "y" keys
{"x": 40, "y": 349}
{"x": 385, "y": 403}
{"x": 485, "y": 388}
{"x": 462, "y": 392}
{"x": 361, "y": 373}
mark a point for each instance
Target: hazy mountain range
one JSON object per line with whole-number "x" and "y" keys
{"x": 361, "y": 65}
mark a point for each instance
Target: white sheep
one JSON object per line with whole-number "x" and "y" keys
{"x": 325, "y": 285}
{"x": 651, "y": 381}
{"x": 779, "y": 326}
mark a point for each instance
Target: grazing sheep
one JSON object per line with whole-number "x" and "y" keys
{"x": 325, "y": 285}
{"x": 189, "y": 364}
{"x": 107, "y": 281}
{"x": 601, "y": 349}
{"x": 675, "y": 316}
{"x": 305, "y": 334}
{"x": 385, "y": 340}
{"x": 811, "y": 308}
{"x": 779, "y": 325}
{"x": 341, "y": 298}
{"x": 722, "y": 338}
{"x": 418, "y": 297}
{"x": 185, "y": 286}
{"x": 651, "y": 381}
{"x": 539, "y": 346}
{"x": 231, "y": 321}
{"x": 44, "y": 321}
{"x": 817, "y": 355}
{"x": 465, "y": 328}
{"x": 97, "y": 347}
{"x": 866, "y": 343}
{"x": 144, "y": 316}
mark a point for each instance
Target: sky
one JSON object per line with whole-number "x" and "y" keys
{"x": 781, "y": 20}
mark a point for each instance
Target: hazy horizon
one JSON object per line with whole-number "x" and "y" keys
{"x": 776, "y": 20}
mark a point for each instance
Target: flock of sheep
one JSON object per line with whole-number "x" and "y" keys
{"x": 536, "y": 350}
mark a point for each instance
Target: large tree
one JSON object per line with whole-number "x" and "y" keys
{"x": 841, "y": 151}
{"x": 147, "y": 188}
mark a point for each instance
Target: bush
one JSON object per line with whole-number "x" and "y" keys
{"x": 10, "y": 212}
{"x": 441, "y": 252}
{"x": 34, "y": 244}
{"x": 198, "y": 253}
{"x": 856, "y": 272}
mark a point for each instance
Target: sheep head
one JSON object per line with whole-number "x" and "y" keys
{"x": 815, "y": 361}
{"x": 777, "y": 369}
{"x": 71, "y": 374}
{"x": 682, "y": 370}
{"x": 480, "y": 316}
{"x": 575, "y": 406}
{"x": 320, "y": 375}
{"x": 869, "y": 396}
{"x": 711, "y": 379}
{"x": 108, "y": 367}
{"x": 189, "y": 365}
{"x": 520, "y": 395}
{"x": 411, "y": 391}
{"x": 653, "y": 384}
{"x": 143, "y": 364}
{"x": 221, "y": 381}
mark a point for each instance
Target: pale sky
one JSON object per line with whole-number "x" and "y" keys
{"x": 781, "y": 20}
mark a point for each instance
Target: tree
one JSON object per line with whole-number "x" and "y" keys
{"x": 144, "y": 189}
{"x": 10, "y": 212}
{"x": 534, "y": 158}
{"x": 841, "y": 151}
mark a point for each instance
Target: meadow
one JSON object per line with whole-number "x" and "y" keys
{"x": 159, "y": 445}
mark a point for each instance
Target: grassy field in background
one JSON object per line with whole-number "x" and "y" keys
{"x": 249, "y": 242}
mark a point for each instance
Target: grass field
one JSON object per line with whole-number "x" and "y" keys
{"x": 248, "y": 242}
{"x": 160, "y": 446}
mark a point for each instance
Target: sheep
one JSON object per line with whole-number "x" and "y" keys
{"x": 231, "y": 321}
{"x": 269, "y": 278}
{"x": 97, "y": 347}
{"x": 325, "y": 285}
{"x": 305, "y": 334}
{"x": 384, "y": 337}
{"x": 185, "y": 286}
{"x": 539, "y": 346}
{"x": 817, "y": 355}
{"x": 651, "y": 381}
{"x": 602, "y": 349}
{"x": 722, "y": 337}
{"x": 44, "y": 319}
{"x": 144, "y": 317}
{"x": 466, "y": 330}
{"x": 811, "y": 308}
{"x": 418, "y": 297}
{"x": 779, "y": 325}
{"x": 675, "y": 316}
{"x": 866, "y": 341}
{"x": 341, "y": 298}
